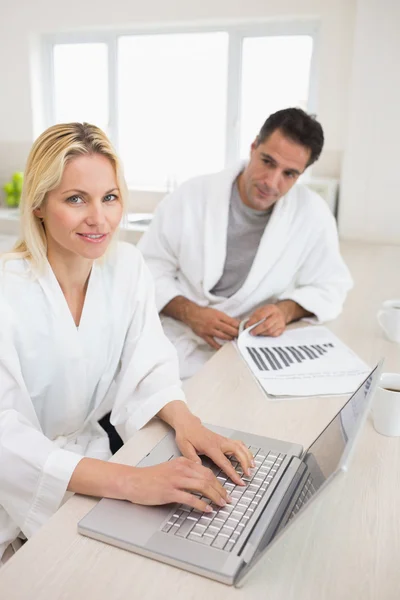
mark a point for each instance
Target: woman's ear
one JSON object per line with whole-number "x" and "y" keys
{"x": 38, "y": 212}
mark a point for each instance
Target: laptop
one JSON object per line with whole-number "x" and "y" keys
{"x": 224, "y": 545}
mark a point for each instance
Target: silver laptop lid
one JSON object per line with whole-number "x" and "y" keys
{"x": 332, "y": 448}
{"x": 330, "y": 452}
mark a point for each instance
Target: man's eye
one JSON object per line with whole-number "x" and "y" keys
{"x": 75, "y": 200}
{"x": 110, "y": 197}
{"x": 290, "y": 175}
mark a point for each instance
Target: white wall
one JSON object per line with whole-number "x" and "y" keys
{"x": 370, "y": 199}
{"x": 25, "y": 20}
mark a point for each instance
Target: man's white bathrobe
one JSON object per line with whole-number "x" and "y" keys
{"x": 298, "y": 257}
{"x": 56, "y": 380}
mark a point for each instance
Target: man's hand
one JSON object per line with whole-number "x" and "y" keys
{"x": 276, "y": 316}
{"x": 274, "y": 323}
{"x": 209, "y": 323}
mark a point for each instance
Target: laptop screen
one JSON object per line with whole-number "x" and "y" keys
{"x": 326, "y": 453}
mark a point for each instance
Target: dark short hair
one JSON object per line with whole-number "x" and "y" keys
{"x": 298, "y": 126}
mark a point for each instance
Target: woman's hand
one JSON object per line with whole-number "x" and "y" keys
{"x": 172, "y": 482}
{"x": 193, "y": 439}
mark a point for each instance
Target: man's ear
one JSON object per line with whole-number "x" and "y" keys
{"x": 254, "y": 145}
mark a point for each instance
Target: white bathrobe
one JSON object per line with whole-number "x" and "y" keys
{"x": 56, "y": 380}
{"x": 298, "y": 257}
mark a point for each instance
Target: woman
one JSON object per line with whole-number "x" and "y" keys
{"x": 79, "y": 334}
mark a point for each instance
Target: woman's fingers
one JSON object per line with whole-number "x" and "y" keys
{"x": 183, "y": 497}
{"x": 224, "y": 463}
{"x": 212, "y": 490}
{"x": 203, "y": 479}
{"x": 242, "y": 453}
{"x": 189, "y": 452}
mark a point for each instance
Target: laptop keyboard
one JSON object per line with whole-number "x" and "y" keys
{"x": 305, "y": 494}
{"x": 223, "y": 527}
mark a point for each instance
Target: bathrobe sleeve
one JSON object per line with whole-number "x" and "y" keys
{"x": 323, "y": 279}
{"x": 160, "y": 246}
{"x": 149, "y": 373}
{"x": 34, "y": 472}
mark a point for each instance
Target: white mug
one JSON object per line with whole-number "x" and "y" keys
{"x": 389, "y": 319}
{"x": 386, "y": 405}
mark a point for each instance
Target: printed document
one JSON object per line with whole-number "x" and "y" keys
{"x": 309, "y": 361}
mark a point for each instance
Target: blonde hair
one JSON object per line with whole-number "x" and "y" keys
{"x": 44, "y": 170}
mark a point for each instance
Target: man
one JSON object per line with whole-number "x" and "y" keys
{"x": 247, "y": 243}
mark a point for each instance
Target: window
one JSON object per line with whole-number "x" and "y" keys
{"x": 172, "y": 106}
{"x": 275, "y": 75}
{"x": 180, "y": 103}
{"x": 81, "y": 83}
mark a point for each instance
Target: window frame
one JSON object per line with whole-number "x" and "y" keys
{"x": 236, "y": 31}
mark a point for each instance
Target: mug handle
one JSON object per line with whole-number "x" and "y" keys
{"x": 380, "y": 316}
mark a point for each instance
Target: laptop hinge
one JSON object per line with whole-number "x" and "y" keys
{"x": 266, "y": 526}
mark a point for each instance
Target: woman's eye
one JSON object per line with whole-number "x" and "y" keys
{"x": 75, "y": 200}
{"x": 110, "y": 197}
